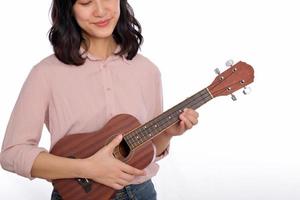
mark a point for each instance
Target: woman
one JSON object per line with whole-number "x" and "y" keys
{"x": 94, "y": 74}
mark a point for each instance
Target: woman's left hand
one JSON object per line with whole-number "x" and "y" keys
{"x": 188, "y": 119}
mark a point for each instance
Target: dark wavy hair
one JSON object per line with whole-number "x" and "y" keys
{"x": 66, "y": 37}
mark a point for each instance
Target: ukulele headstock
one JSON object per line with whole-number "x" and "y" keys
{"x": 237, "y": 76}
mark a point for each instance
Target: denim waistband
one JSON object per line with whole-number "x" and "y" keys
{"x": 143, "y": 191}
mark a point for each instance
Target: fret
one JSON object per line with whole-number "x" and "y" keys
{"x": 203, "y": 100}
{"x": 144, "y": 135}
{"x": 133, "y": 141}
{"x": 200, "y": 103}
{"x": 128, "y": 141}
{"x": 135, "y": 137}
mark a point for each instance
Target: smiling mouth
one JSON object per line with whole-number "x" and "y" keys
{"x": 102, "y": 23}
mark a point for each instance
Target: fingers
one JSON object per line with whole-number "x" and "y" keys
{"x": 131, "y": 170}
{"x": 120, "y": 175}
{"x": 117, "y": 186}
{"x": 189, "y": 111}
{"x": 123, "y": 180}
{"x": 127, "y": 177}
{"x": 115, "y": 142}
{"x": 189, "y": 118}
{"x": 182, "y": 126}
{"x": 185, "y": 122}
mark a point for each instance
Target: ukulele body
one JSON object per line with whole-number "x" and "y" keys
{"x": 83, "y": 145}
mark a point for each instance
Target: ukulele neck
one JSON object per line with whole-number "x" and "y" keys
{"x": 163, "y": 121}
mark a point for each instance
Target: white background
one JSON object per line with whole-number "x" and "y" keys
{"x": 243, "y": 150}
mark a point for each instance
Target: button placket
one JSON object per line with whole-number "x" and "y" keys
{"x": 100, "y": 67}
{"x": 109, "y": 90}
{"x": 107, "y": 85}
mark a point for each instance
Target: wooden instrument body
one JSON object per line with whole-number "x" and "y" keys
{"x": 83, "y": 145}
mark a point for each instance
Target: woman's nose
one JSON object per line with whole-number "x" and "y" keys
{"x": 99, "y": 10}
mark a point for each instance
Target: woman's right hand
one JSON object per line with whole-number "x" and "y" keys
{"x": 104, "y": 168}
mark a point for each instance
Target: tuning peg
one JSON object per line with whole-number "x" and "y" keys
{"x": 229, "y": 63}
{"x": 233, "y": 97}
{"x": 217, "y": 71}
{"x": 246, "y": 90}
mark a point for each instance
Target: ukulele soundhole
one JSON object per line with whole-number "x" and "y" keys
{"x": 122, "y": 151}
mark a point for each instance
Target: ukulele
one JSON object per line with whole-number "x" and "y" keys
{"x": 136, "y": 148}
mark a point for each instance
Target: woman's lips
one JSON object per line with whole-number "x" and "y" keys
{"x": 102, "y": 23}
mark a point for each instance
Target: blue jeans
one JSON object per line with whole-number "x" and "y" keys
{"x": 143, "y": 191}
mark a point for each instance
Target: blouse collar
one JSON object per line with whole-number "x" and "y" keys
{"x": 88, "y": 55}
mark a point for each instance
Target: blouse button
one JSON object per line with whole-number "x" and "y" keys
{"x": 101, "y": 66}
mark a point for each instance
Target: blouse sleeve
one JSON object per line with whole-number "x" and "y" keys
{"x": 24, "y": 128}
{"x": 158, "y": 109}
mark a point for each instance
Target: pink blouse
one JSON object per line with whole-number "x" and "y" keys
{"x": 70, "y": 99}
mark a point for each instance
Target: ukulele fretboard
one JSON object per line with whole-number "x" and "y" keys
{"x": 152, "y": 128}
